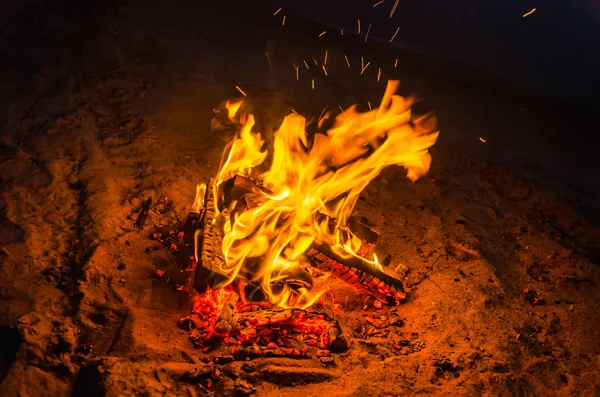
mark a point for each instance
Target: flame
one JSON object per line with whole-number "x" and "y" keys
{"x": 199, "y": 200}
{"x": 312, "y": 185}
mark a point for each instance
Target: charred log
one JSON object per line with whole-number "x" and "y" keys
{"x": 363, "y": 228}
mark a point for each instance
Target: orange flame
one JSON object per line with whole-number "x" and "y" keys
{"x": 313, "y": 185}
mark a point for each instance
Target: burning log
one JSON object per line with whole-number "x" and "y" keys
{"x": 360, "y": 226}
{"x": 209, "y": 248}
{"x": 353, "y": 271}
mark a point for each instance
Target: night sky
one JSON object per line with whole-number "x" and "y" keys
{"x": 556, "y": 48}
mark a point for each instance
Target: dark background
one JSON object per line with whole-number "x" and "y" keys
{"x": 555, "y": 50}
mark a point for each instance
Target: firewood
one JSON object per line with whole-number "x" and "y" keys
{"x": 211, "y": 261}
{"x": 355, "y": 272}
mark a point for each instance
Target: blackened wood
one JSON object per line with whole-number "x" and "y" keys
{"x": 234, "y": 189}
{"x": 361, "y": 227}
{"x": 143, "y": 215}
{"x": 191, "y": 225}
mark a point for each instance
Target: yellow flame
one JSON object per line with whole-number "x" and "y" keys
{"x": 312, "y": 185}
{"x": 199, "y": 200}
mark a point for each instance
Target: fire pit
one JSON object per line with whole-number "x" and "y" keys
{"x": 270, "y": 224}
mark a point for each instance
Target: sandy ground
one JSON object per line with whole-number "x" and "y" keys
{"x": 118, "y": 107}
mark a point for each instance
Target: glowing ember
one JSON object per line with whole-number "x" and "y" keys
{"x": 308, "y": 191}
{"x": 220, "y": 313}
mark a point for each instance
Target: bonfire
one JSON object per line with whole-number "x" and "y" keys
{"x": 273, "y": 218}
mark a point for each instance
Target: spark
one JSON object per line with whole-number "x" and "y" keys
{"x": 376, "y": 4}
{"x": 313, "y": 84}
{"x": 362, "y": 63}
{"x": 322, "y": 112}
{"x": 378, "y": 74}
{"x": 277, "y": 12}
{"x": 482, "y": 140}
{"x": 396, "y": 63}
{"x": 297, "y": 71}
{"x": 240, "y": 90}
{"x": 347, "y": 61}
{"x": 323, "y": 33}
{"x": 394, "y": 36}
{"x": 315, "y": 61}
{"x": 365, "y": 68}
{"x": 341, "y": 109}
{"x": 294, "y": 111}
{"x": 325, "y": 60}
{"x": 283, "y": 22}
{"x": 269, "y": 61}
{"x": 529, "y": 13}
{"x": 359, "y": 26}
{"x": 368, "y": 30}
{"x": 305, "y": 64}
{"x": 341, "y": 32}
{"x": 324, "y": 70}
{"x": 369, "y": 103}
{"x": 394, "y": 8}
